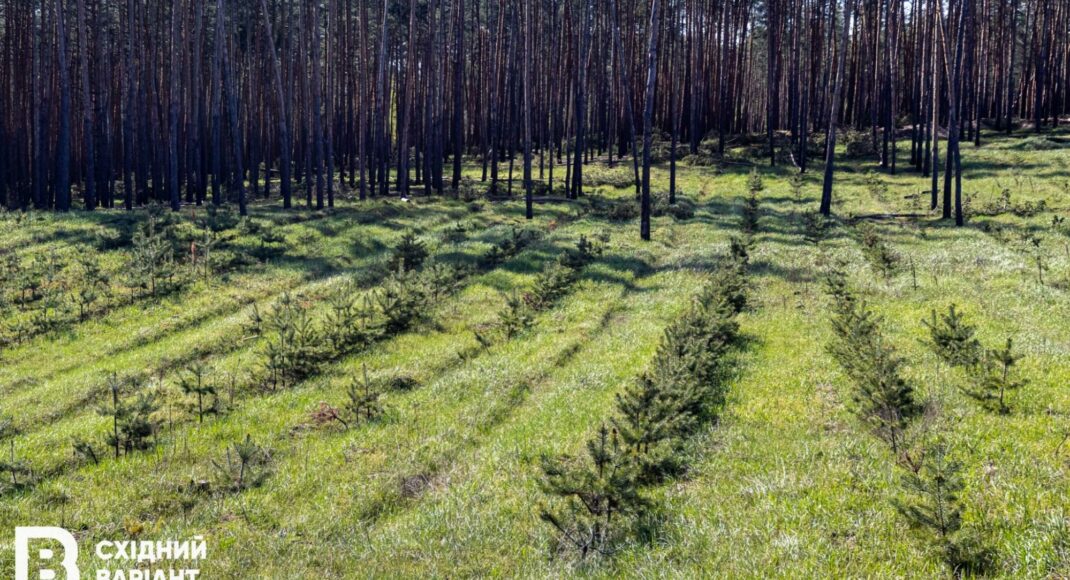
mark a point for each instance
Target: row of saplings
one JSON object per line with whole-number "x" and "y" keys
{"x": 598, "y": 502}
{"x": 551, "y": 284}
{"x": 363, "y": 404}
{"x": 296, "y": 346}
{"x": 48, "y": 294}
{"x": 295, "y": 343}
{"x": 931, "y": 480}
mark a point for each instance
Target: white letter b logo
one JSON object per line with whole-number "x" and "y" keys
{"x": 22, "y": 552}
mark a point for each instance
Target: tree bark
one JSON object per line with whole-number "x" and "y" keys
{"x": 830, "y": 144}
{"x": 648, "y": 116}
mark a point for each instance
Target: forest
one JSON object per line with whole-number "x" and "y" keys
{"x": 538, "y": 288}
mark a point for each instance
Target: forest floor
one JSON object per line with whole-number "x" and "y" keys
{"x": 788, "y": 483}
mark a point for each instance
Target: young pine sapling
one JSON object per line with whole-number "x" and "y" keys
{"x": 952, "y": 338}
{"x": 245, "y": 466}
{"x": 997, "y": 380}
{"x": 596, "y": 496}
{"x": 363, "y": 402}
{"x": 933, "y": 506}
{"x": 197, "y": 381}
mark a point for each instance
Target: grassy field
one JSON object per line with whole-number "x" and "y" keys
{"x": 787, "y": 483}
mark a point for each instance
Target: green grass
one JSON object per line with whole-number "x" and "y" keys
{"x": 788, "y": 483}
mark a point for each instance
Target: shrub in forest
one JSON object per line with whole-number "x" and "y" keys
{"x": 254, "y": 324}
{"x": 129, "y": 407}
{"x": 585, "y": 252}
{"x": 409, "y": 254}
{"x": 292, "y": 350}
{"x": 403, "y": 300}
{"x": 990, "y": 371}
{"x": 112, "y": 238}
{"x": 876, "y": 186}
{"x": 880, "y": 255}
{"x": 363, "y": 400}
{"x": 1035, "y": 248}
{"x": 858, "y": 144}
{"x": 701, "y": 340}
{"x": 347, "y": 325}
{"x": 620, "y": 177}
{"x": 884, "y": 399}
{"x": 151, "y": 262}
{"x": 494, "y": 256}
{"x": 618, "y": 211}
{"x": 797, "y": 182}
{"x": 53, "y": 307}
{"x": 271, "y": 242}
{"x": 206, "y": 260}
{"x": 455, "y": 234}
{"x": 269, "y": 239}
{"x": 650, "y": 422}
{"x": 10, "y": 268}
{"x": 751, "y": 203}
{"x": 682, "y": 209}
{"x": 84, "y": 298}
{"x": 296, "y": 346}
{"x": 7, "y": 427}
{"x": 594, "y": 497}
{"x": 952, "y": 338}
{"x": 441, "y": 279}
{"x": 995, "y": 380}
{"x": 84, "y": 448}
{"x": 196, "y": 381}
{"x": 1030, "y": 208}
{"x": 19, "y": 471}
{"x": 739, "y": 250}
{"x": 684, "y": 387}
{"x": 245, "y": 465}
{"x": 218, "y": 219}
{"x": 362, "y": 404}
{"x": 516, "y": 317}
{"x": 704, "y": 158}
{"x": 755, "y": 183}
{"x": 1059, "y": 224}
{"x": 552, "y": 283}
{"x": 815, "y": 227}
{"x": 29, "y": 278}
{"x": 730, "y": 279}
{"x": 93, "y": 284}
{"x": 17, "y": 330}
{"x": 931, "y": 481}
{"x": 401, "y": 381}
{"x": 508, "y": 247}
{"x": 469, "y": 191}
{"x": 932, "y": 504}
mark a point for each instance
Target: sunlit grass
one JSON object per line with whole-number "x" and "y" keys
{"x": 787, "y": 484}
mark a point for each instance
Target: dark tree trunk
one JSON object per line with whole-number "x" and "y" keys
{"x": 648, "y": 116}
{"x": 232, "y": 109}
{"x": 581, "y": 100}
{"x": 830, "y": 145}
{"x": 172, "y": 113}
{"x": 63, "y": 141}
{"x": 87, "y": 110}
{"x": 458, "y": 95}
{"x": 283, "y": 122}
{"x": 626, "y": 87}
{"x": 528, "y": 49}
